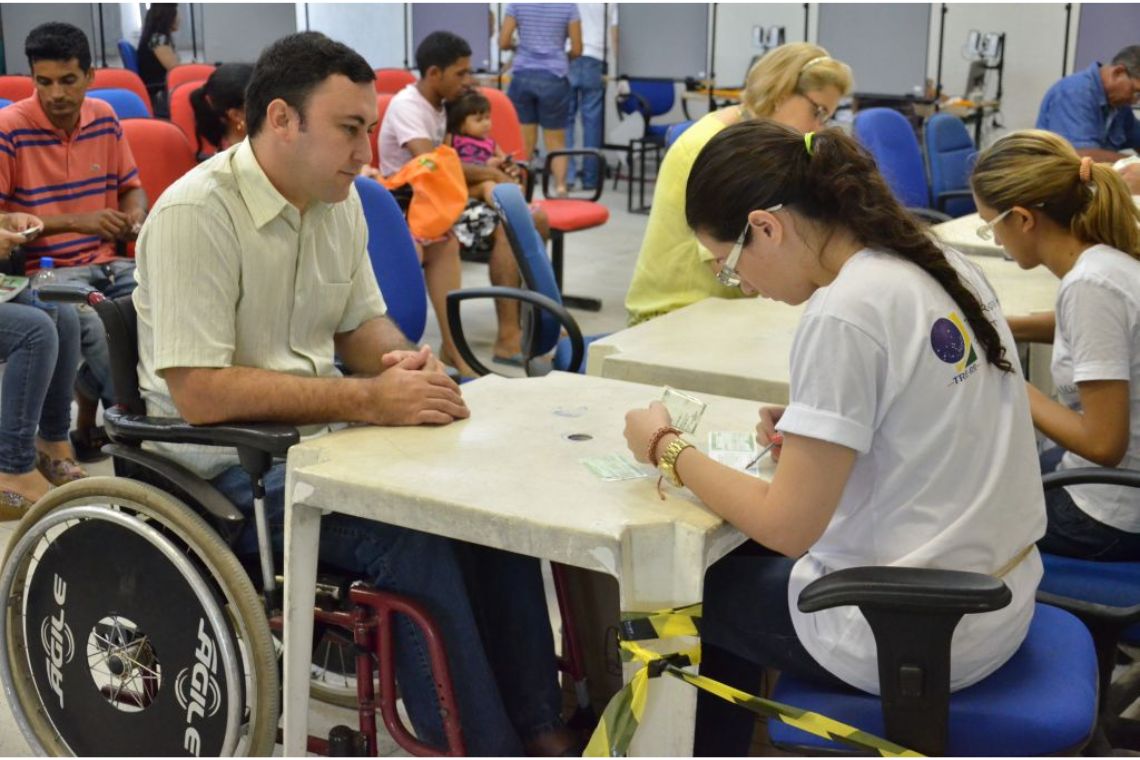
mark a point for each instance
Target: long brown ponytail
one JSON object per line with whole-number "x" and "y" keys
{"x": 759, "y": 164}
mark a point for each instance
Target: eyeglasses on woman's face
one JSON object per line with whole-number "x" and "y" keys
{"x": 728, "y": 276}
{"x": 986, "y": 231}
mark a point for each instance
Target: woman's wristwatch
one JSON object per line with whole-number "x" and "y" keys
{"x": 668, "y": 463}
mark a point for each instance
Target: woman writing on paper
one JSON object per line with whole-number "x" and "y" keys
{"x": 908, "y": 420}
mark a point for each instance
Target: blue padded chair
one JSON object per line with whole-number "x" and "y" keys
{"x": 1105, "y": 596}
{"x": 649, "y": 98}
{"x": 950, "y": 153}
{"x": 889, "y": 137}
{"x": 544, "y": 317}
{"x": 4, "y": 102}
{"x": 130, "y": 55}
{"x": 394, "y": 260}
{"x": 674, "y": 131}
{"x": 1041, "y": 702}
{"x": 126, "y": 104}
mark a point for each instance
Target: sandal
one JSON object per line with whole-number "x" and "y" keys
{"x": 89, "y": 443}
{"x": 13, "y": 506}
{"x": 59, "y": 471}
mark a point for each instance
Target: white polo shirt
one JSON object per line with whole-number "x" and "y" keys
{"x": 1098, "y": 338}
{"x": 232, "y": 275}
{"x": 946, "y": 472}
{"x": 409, "y": 117}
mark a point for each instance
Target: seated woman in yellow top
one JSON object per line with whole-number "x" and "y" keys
{"x": 797, "y": 85}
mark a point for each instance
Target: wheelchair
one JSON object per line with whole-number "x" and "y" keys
{"x": 131, "y": 626}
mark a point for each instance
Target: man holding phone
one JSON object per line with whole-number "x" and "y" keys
{"x": 63, "y": 158}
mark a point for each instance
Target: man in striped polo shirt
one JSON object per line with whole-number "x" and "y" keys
{"x": 64, "y": 159}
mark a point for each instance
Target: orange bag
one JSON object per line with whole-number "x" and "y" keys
{"x": 439, "y": 191}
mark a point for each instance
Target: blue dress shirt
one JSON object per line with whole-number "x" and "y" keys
{"x": 1077, "y": 109}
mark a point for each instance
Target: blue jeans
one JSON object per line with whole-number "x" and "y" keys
{"x": 587, "y": 91}
{"x": 489, "y": 606}
{"x": 42, "y": 351}
{"x": 540, "y": 98}
{"x": 746, "y": 627}
{"x": 114, "y": 279}
{"x": 1073, "y": 533}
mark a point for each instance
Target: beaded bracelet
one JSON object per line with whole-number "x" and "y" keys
{"x": 656, "y": 439}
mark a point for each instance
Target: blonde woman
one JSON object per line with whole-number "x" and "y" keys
{"x": 798, "y": 85}
{"x": 1048, "y": 206}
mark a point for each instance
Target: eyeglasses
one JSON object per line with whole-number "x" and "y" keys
{"x": 728, "y": 276}
{"x": 986, "y": 231}
{"x": 820, "y": 112}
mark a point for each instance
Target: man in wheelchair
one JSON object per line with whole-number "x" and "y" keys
{"x": 253, "y": 272}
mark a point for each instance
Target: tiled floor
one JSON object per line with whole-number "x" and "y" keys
{"x": 599, "y": 263}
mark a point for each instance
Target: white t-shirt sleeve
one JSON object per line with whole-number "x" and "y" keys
{"x": 410, "y": 123}
{"x": 837, "y": 371}
{"x": 1093, "y": 318}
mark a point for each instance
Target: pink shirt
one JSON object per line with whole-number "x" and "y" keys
{"x": 409, "y": 117}
{"x": 46, "y": 172}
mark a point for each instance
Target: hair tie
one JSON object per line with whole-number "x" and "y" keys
{"x": 1086, "y": 169}
{"x": 807, "y": 142}
{"x": 813, "y": 62}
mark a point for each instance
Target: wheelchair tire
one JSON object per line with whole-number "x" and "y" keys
{"x": 334, "y": 672}
{"x": 92, "y": 514}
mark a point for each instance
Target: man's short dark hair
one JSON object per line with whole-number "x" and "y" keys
{"x": 1129, "y": 58}
{"x": 56, "y": 41}
{"x": 440, "y": 49}
{"x": 292, "y": 67}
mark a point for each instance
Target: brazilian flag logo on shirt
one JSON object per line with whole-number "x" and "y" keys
{"x": 950, "y": 341}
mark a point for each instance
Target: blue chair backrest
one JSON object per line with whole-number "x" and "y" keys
{"x": 126, "y": 104}
{"x": 951, "y": 154}
{"x": 656, "y": 95}
{"x": 394, "y": 260}
{"x": 129, "y": 55}
{"x": 5, "y": 102}
{"x": 530, "y": 253}
{"x": 674, "y": 131}
{"x": 890, "y": 139}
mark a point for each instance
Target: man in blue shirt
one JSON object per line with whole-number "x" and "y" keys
{"x": 1092, "y": 109}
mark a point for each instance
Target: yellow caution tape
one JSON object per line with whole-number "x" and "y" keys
{"x": 623, "y": 714}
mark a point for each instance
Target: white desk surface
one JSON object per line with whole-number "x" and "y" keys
{"x": 740, "y": 348}
{"x": 509, "y": 477}
{"x": 962, "y": 234}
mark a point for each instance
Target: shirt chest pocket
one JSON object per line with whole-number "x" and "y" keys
{"x": 317, "y": 311}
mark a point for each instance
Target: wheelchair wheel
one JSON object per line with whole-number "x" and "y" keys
{"x": 333, "y": 671}
{"x": 132, "y": 629}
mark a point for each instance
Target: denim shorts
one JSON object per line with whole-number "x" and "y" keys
{"x": 540, "y": 98}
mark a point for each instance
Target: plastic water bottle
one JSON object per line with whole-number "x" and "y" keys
{"x": 46, "y": 276}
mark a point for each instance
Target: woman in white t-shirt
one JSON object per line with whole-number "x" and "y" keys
{"x": 907, "y": 439}
{"x": 1048, "y": 206}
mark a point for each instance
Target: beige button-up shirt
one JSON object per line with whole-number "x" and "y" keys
{"x": 232, "y": 274}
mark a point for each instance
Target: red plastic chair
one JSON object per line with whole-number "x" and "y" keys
{"x": 382, "y": 101}
{"x": 565, "y": 214}
{"x": 182, "y": 116}
{"x": 187, "y": 72}
{"x": 122, "y": 79}
{"x": 162, "y": 152}
{"x": 391, "y": 81}
{"x": 14, "y": 87}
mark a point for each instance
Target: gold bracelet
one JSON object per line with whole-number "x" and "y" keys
{"x": 668, "y": 462}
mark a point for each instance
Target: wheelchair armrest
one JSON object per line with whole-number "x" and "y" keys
{"x": 269, "y": 438}
{"x": 456, "y": 297}
{"x": 910, "y": 590}
{"x": 589, "y": 153}
{"x": 942, "y": 198}
{"x": 928, "y": 215}
{"x": 1084, "y": 475}
{"x": 912, "y": 613}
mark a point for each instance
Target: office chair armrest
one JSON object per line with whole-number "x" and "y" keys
{"x": 1085, "y": 475}
{"x": 928, "y": 215}
{"x": 589, "y": 153}
{"x": 912, "y": 613}
{"x": 913, "y": 590}
{"x": 69, "y": 292}
{"x": 1116, "y": 617}
{"x": 941, "y": 199}
{"x": 643, "y": 107}
{"x": 269, "y": 438}
{"x": 456, "y": 297}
